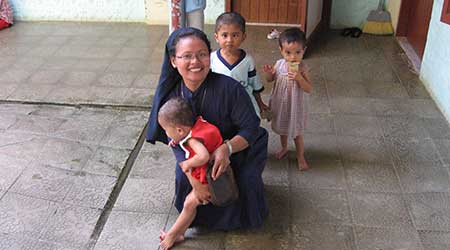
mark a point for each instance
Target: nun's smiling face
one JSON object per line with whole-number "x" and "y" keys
{"x": 192, "y": 61}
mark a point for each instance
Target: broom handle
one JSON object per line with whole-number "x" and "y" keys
{"x": 380, "y": 5}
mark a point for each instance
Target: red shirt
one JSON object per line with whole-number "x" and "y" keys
{"x": 207, "y": 134}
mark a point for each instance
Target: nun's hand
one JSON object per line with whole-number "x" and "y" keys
{"x": 221, "y": 161}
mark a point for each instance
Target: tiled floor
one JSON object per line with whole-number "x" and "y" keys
{"x": 74, "y": 101}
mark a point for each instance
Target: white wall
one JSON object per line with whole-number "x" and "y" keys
{"x": 314, "y": 15}
{"x": 150, "y": 11}
{"x": 80, "y": 10}
{"x": 434, "y": 72}
{"x": 394, "y": 8}
{"x": 351, "y": 13}
{"x": 157, "y": 11}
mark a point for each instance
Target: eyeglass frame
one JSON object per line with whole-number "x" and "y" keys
{"x": 190, "y": 56}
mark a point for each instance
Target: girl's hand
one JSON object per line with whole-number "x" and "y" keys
{"x": 297, "y": 75}
{"x": 294, "y": 76}
{"x": 269, "y": 72}
{"x": 221, "y": 161}
{"x": 268, "y": 69}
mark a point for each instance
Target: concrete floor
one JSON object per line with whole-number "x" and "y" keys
{"x": 75, "y": 172}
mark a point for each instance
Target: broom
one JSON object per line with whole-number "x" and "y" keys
{"x": 378, "y": 22}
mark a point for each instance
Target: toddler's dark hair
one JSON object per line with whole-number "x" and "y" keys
{"x": 230, "y": 18}
{"x": 177, "y": 111}
{"x": 292, "y": 35}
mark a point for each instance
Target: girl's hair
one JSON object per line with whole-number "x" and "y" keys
{"x": 292, "y": 35}
{"x": 187, "y": 32}
{"x": 177, "y": 111}
{"x": 230, "y": 18}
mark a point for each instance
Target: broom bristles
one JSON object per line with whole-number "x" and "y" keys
{"x": 378, "y": 28}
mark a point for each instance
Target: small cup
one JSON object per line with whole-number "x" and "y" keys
{"x": 293, "y": 66}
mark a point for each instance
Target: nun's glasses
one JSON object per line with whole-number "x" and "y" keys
{"x": 189, "y": 57}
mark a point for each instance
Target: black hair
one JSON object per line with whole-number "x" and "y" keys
{"x": 186, "y": 33}
{"x": 230, "y": 18}
{"x": 177, "y": 111}
{"x": 292, "y": 35}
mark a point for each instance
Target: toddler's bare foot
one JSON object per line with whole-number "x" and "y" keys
{"x": 280, "y": 154}
{"x": 168, "y": 240}
{"x": 302, "y": 164}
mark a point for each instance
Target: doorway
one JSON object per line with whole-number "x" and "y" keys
{"x": 413, "y": 23}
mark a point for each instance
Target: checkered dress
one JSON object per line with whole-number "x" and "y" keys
{"x": 289, "y": 104}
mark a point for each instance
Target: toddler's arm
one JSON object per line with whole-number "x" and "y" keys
{"x": 201, "y": 156}
{"x": 269, "y": 72}
{"x": 302, "y": 78}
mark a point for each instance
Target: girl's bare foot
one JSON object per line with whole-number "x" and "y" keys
{"x": 167, "y": 240}
{"x": 280, "y": 154}
{"x": 302, "y": 164}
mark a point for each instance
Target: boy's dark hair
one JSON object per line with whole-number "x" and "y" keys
{"x": 189, "y": 31}
{"x": 292, "y": 35}
{"x": 177, "y": 111}
{"x": 230, "y": 18}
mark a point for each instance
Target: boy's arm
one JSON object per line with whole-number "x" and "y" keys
{"x": 262, "y": 106}
{"x": 201, "y": 156}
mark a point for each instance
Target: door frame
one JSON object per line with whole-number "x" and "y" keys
{"x": 228, "y": 7}
{"x": 402, "y": 25}
{"x": 402, "y": 32}
{"x": 403, "y": 19}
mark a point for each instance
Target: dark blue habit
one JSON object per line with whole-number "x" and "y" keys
{"x": 223, "y": 102}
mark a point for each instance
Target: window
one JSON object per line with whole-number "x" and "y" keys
{"x": 446, "y": 12}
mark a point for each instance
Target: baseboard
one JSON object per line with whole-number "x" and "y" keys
{"x": 410, "y": 53}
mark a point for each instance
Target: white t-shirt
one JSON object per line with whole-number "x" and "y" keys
{"x": 243, "y": 71}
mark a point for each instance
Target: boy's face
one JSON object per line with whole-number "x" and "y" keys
{"x": 174, "y": 132}
{"x": 292, "y": 52}
{"x": 229, "y": 37}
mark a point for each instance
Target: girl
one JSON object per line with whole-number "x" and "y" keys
{"x": 289, "y": 98}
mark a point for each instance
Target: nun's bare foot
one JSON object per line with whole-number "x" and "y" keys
{"x": 281, "y": 154}
{"x": 167, "y": 240}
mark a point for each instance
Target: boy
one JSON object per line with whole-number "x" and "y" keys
{"x": 233, "y": 61}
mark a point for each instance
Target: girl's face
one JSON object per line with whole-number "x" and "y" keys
{"x": 229, "y": 37}
{"x": 292, "y": 52}
{"x": 192, "y": 61}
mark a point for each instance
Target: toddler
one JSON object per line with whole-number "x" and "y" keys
{"x": 233, "y": 61}
{"x": 290, "y": 93}
{"x": 198, "y": 139}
